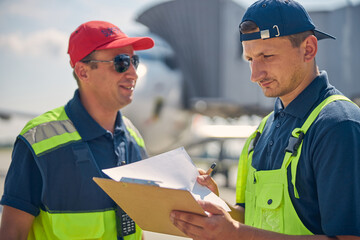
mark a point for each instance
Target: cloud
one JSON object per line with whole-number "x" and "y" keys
{"x": 35, "y": 10}
{"x": 50, "y": 42}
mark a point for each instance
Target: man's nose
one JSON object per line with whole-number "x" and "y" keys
{"x": 257, "y": 71}
{"x": 132, "y": 72}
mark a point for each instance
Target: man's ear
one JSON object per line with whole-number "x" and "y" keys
{"x": 310, "y": 48}
{"x": 81, "y": 69}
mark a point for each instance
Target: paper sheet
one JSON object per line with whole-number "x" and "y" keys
{"x": 173, "y": 169}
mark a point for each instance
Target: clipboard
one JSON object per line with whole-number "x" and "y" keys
{"x": 148, "y": 204}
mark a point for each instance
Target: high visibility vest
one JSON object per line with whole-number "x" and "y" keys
{"x": 265, "y": 193}
{"x": 79, "y": 210}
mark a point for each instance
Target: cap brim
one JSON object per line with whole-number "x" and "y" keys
{"x": 138, "y": 43}
{"x": 321, "y": 35}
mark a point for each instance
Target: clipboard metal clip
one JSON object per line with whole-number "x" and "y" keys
{"x": 140, "y": 181}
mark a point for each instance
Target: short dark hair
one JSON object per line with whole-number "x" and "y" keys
{"x": 93, "y": 65}
{"x": 295, "y": 39}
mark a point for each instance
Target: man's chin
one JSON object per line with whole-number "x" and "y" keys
{"x": 268, "y": 93}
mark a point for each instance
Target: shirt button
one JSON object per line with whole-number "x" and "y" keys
{"x": 282, "y": 114}
{"x": 278, "y": 125}
{"x": 271, "y": 142}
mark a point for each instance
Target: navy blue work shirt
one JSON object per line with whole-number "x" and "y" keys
{"x": 328, "y": 174}
{"x": 23, "y": 183}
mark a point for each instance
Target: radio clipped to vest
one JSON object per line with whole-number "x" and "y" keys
{"x": 124, "y": 224}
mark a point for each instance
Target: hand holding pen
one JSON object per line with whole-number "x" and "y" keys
{"x": 212, "y": 167}
{"x": 206, "y": 180}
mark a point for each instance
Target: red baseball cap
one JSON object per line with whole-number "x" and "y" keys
{"x": 96, "y": 35}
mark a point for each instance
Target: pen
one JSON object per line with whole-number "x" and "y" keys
{"x": 212, "y": 167}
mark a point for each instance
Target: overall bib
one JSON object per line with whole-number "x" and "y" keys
{"x": 265, "y": 193}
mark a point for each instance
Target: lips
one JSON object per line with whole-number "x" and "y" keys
{"x": 265, "y": 82}
{"x": 129, "y": 86}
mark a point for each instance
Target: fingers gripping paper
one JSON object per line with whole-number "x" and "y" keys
{"x": 150, "y": 189}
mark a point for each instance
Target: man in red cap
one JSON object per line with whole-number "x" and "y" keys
{"x": 49, "y": 192}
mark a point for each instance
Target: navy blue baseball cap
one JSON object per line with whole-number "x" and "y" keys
{"x": 276, "y": 18}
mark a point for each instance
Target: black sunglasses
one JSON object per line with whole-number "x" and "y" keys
{"x": 121, "y": 62}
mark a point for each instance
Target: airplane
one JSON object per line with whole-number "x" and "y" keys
{"x": 204, "y": 74}
{"x": 163, "y": 121}
{"x": 209, "y": 79}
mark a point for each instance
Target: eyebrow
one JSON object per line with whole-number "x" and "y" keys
{"x": 257, "y": 55}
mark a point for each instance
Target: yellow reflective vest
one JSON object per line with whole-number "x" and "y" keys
{"x": 76, "y": 211}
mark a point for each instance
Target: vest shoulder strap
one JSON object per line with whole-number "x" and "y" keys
{"x": 259, "y": 131}
{"x": 298, "y": 134}
{"x": 243, "y": 161}
{"x": 136, "y": 135}
{"x": 293, "y": 150}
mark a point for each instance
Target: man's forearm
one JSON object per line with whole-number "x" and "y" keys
{"x": 250, "y": 233}
{"x": 237, "y": 213}
{"x": 246, "y": 232}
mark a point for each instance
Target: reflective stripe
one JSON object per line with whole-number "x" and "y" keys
{"x": 49, "y": 135}
{"x": 134, "y": 132}
{"x": 50, "y": 130}
{"x": 55, "y": 142}
{"x": 57, "y": 114}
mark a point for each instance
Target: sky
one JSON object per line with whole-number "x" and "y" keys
{"x": 35, "y": 74}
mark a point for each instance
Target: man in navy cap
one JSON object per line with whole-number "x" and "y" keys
{"x": 299, "y": 172}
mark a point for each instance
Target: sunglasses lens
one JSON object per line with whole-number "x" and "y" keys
{"x": 135, "y": 61}
{"x": 122, "y": 62}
